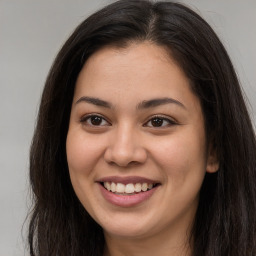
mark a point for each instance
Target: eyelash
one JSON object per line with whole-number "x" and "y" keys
{"x": 169, "y": 122}
{"x": 85, "y": 119}
{"x": 163, "y": 120}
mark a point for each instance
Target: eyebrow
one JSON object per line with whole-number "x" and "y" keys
{"x": 142, "y": 105}
{"x": 158, "y": 102}
{"x": 95, "y": 101}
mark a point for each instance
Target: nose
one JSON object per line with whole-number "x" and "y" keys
{"x": 125, "y": 148}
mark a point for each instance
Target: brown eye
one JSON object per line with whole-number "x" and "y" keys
{"x": 160, "y": 122}
{"x": 157, "y": 122}
{"x": 94, "y": 120}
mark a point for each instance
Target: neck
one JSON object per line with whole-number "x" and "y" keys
{"x": 164, "y": 244}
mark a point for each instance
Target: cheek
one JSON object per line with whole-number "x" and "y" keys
{"x": 182, "y": 157}
{"x": 83, "y": 152}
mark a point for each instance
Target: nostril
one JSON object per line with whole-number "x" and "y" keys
{"x": 123, "y": 163}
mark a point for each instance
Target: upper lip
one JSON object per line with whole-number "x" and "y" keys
{"x": 127, "y": 180}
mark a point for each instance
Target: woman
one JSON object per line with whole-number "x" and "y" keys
{"x": 143, "y": 144}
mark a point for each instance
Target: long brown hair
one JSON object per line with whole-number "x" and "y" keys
{"x": 225, "y": 223}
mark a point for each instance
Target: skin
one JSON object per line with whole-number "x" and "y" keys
{"x": 126, "y": 142}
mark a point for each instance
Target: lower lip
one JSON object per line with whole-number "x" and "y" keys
{"x": 127, "y": 200}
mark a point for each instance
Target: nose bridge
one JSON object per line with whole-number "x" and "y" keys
{"x": 125, "y": 147}
{"x": 124, "y": 143}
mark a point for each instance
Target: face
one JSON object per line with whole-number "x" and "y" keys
{"x": 136, "y": 145}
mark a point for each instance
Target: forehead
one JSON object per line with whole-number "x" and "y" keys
{"x": 133, "y": 51}
{"x": 141, "y": 66}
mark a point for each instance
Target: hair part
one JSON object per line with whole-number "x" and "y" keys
{"x": 225, "y": 222}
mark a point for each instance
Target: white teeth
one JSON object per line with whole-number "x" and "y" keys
{"x": 113, "y": 187}
{"x": 137, "y": 187}
{"x": 120, "y": 188}
{"x": 144, "y": 187}
{"x": 107, "y": 185}
{"x": 128, "y": 188}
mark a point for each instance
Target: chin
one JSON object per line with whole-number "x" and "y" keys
{"x": 131, "y": 227}
{"x": 126, "y": 232}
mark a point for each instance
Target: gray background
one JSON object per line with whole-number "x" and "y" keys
{"x": 31, "y": 32}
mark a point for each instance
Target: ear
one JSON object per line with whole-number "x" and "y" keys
{"x": 212, "y": 159}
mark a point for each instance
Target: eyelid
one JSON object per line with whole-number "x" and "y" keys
{"x": 170, "y": 120}
{"x": 84, "y": 118}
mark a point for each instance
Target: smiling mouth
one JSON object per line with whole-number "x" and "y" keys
{"x": 128, "y": 189}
